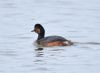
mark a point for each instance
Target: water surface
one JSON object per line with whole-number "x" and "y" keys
{"x": 77, "y": 20}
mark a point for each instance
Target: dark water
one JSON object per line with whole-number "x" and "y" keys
{"x": 77, "y": 20}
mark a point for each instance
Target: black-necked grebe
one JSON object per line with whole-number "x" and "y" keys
{"x": 50, "y": 40}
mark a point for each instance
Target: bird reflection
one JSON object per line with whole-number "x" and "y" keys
{"x": 39, "y": 52}
{"x": 39, "y": 56}
{"x": 39, "y": 49}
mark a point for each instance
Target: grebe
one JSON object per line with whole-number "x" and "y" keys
{"x": 49, "y": 40}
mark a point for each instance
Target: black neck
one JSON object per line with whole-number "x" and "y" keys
{"x": 40, "y": 36}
